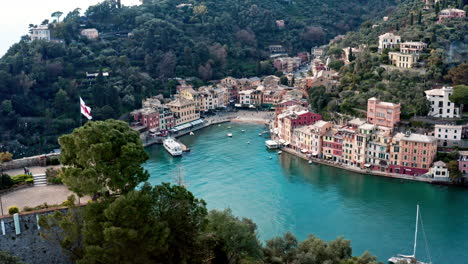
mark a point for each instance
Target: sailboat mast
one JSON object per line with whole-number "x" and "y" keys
{"x": 416, "y": 231}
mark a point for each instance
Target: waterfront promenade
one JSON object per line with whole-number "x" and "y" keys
{"x": 356, "y": 169}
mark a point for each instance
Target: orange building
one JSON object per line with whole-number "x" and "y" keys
{"x": 412, "y": 154}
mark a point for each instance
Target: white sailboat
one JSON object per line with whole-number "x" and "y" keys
{"x": 410, "y": 259}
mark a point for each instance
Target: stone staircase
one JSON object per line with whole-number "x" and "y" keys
{"x": 40, "y": 180}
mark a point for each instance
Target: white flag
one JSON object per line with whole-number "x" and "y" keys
{"x": 85, "y": 110}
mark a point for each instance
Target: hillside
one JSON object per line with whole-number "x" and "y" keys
{"x": 142, "y": 47}
{"x": 368, "y": 75}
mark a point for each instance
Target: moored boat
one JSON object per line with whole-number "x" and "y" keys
{"x": 409, "y": 259}
{"x": 229, "y": 135}
{"x": 173, "y": 147}
{"x": 280, "y": 152}
{"x": 271, "y": 144}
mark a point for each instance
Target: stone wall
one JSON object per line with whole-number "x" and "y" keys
{"x": 40, "y": 160}
{"x": 27, "y": 244}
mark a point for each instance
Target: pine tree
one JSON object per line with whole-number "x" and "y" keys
{"x": 350, "y": 55}
{"x": 411, "y": 19}
{"x": 437, "y": 8}
{"x": 419, "y": 17}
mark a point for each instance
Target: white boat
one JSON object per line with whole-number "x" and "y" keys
{"x": 229, "y": 135}
{"x": 410, "y": 259}
{"x": 310, "y": 162}
{"x": 248, "y": 142}
{"x": 172, "y": 146}
{"x": 279, "y": 152}
{"x": 259, "y": 134}
{"x": 191, "y": 133}
{"x": 229, "y": 127}
{"x": 271, "y": 144}
{"x": 242, "y": 130}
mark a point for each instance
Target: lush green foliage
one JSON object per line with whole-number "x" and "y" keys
{"x": 22, "y": 178}
{"x": 53, "y": 176}
{"x": 287, "y": 249}
{"x": 102, "y": 156}
{"x": 364, "y": 77}
{"x": 236, "y": 238}
{"x": 460, "y": 94}
{"x": 5, "y": 181}
{"x": 40, "y": 82}
{"x": 13, "y": 210}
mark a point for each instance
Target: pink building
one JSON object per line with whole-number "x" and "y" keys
{"x": 382, "y": 113}
{"x": 292, "y": 117}
{"x": 463, "y": 163}
{"x": 412, "y": 154}
{"x": 450, "y": 13}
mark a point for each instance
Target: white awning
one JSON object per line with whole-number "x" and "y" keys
{"x": 314, "y": 153}
{"x": 282, "y": 141}
{"x": 251, "y": 106}
{"x": 367, "y": 165}
{"x": 238, "y": 105}
{"x": 286, "y": 143}
{"x": 304, "y": 150}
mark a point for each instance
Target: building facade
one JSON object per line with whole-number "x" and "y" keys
{"x": 41, "y": 32}
{"x": 388, "y": 41}
{"x": 383, "y": 113}
{"x": 441, "y": 106}
{"x": 412, "y": 47}
{"x": 412, "y": 154}
{"x": 403, "y": 60}
{"x": 451, "y": 13}
{"x": 448, "y": 135}
{"x": 184, "y": 110}
{"x": 463, "y": 163}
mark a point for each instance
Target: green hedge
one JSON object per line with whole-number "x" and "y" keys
{"x": 22, "y": 178}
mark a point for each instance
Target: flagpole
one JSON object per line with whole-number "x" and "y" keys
{"x": 79, "y": 102}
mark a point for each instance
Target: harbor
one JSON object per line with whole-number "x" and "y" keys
{"x": 312, "y": 198}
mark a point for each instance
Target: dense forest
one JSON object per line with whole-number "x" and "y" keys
{"x": 443, "y": 61}
{"x": 143, "y": 48}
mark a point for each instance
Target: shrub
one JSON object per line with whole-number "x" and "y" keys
{"x": 53, "y": 176}
{"x": 5, "y": 156}
{"x": 13, "y": 210}
{"x": 22, "y": 178}
{"x": 53, "y": 161}
{"x": 27, "y": 209}
{"x": 70, "y": 201}
{"x": 5, "y": 181}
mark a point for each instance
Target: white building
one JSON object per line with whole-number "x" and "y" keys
{"x": 388, "y": 41}
{"x": 440, "y": 171}
{"x": 245, "y": 96}
{"x": 448, "y": 135}
{"x": 440, "y": 103}
{"x": 41, "y": 32}
{"x": 90, "y": 33}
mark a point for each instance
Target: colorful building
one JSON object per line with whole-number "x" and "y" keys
{"x": 184, "y": 110}
{"x": 451, "y": 13}
{"x": 383, "y": 113}
{"x": 463, "y": 163}
{"x": 412, "y": 154}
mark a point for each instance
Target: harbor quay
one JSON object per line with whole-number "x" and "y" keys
{"x": 379, "y": 144}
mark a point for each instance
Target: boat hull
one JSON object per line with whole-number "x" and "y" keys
{"x": 172, "y": 147}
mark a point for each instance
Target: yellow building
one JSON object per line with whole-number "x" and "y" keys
{"x": 402, "y": 60}
{"x": 184, "y": 110}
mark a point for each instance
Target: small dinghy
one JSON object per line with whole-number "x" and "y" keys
{"x": 279, "y": 152}
{"x": 229, "y": 135}
{"x": 191, "y": 133}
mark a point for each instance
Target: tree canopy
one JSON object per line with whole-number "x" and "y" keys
{"x": 102, "y": 156}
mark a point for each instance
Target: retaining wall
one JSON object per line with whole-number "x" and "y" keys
{"x": 22, "y": 239}
{"x": 40, "y": 160}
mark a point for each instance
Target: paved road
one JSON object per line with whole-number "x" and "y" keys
{"x": 34, "y": 196}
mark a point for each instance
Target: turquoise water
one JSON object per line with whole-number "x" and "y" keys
{"x": 285, "y": 193}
